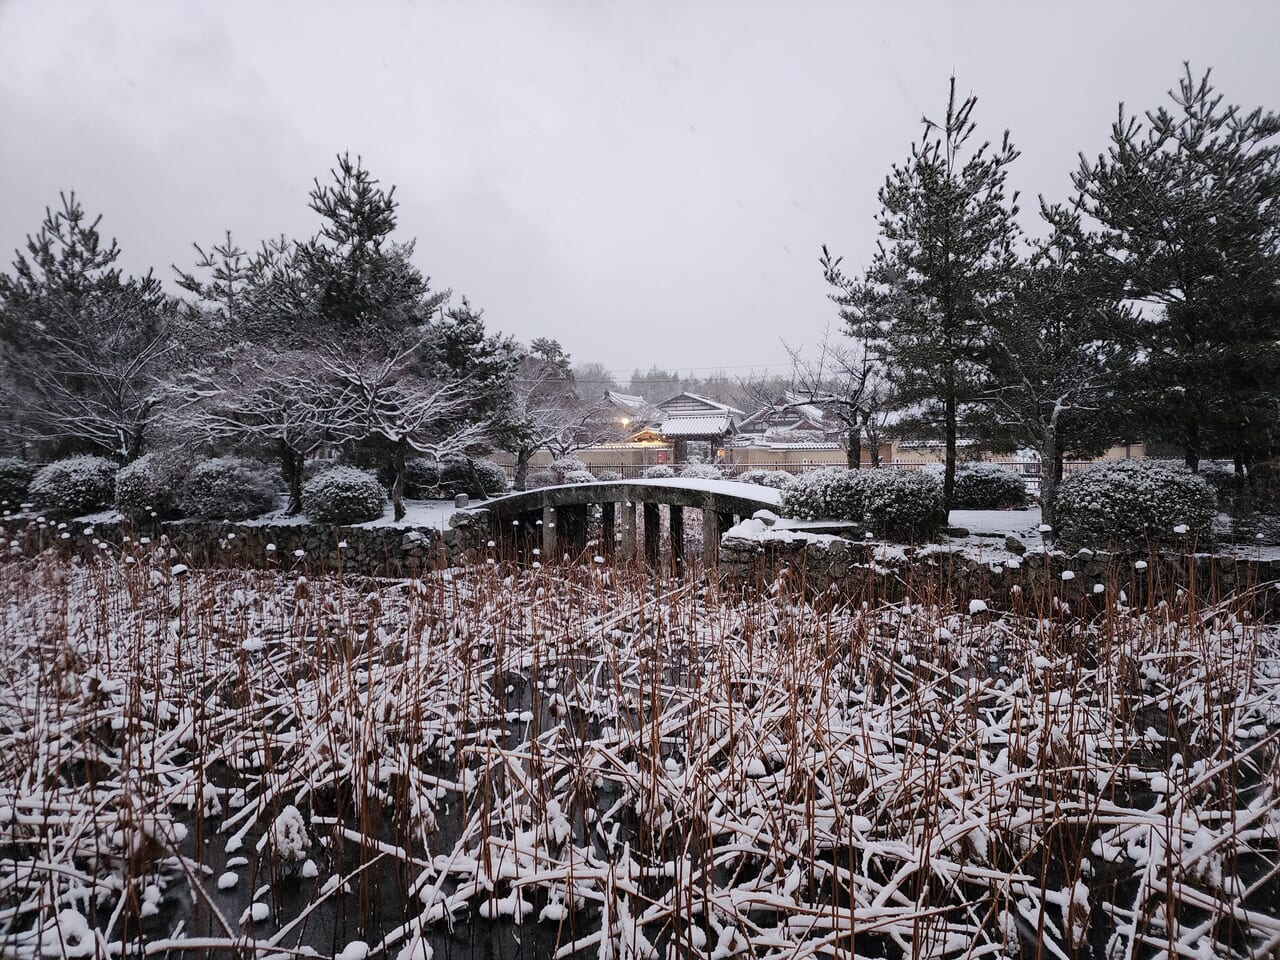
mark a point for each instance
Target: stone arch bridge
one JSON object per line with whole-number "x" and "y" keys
{"x": 555, "y": 519}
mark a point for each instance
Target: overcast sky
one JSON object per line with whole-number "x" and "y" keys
{"x": 648, "y": 182}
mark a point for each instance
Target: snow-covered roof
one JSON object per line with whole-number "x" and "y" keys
{"x": 800, "y": 404}
{"x": 793, "y": 404}
{"x": 768, "y": 444}
{"x": 696, "y": 426}
{"x": 630, "y": 401}
{"x": 712, "y": 404}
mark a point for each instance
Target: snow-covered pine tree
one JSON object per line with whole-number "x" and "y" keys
{"x": 1054, "y": 358}
{"x": 424, "y": 377}
{"x": 1186, "y": 203}
{"x": 83, "y": 344}
{"x": 944, "y": 266}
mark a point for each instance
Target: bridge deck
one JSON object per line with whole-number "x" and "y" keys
{"x": 719, "y": 501}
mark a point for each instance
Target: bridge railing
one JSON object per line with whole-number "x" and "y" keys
{"x": 1028, "y": 470}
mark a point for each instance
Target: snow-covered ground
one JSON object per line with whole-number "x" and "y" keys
{"x": 613, "y": 765}
{"x": 1023, "y": 524}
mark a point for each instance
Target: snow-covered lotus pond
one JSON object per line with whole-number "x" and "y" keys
{"x": 583, "y": 761}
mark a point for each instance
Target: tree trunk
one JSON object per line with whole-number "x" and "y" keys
{"x": 949, "y": 473}
{"x": 1050, "y": 473}
{"x": 521, "y": 477}
{"x": 397, "y": 480}
{"x": 134, "y": 447}
{"x": 1191, "y": 443}
{"x": 855, "y": 447}
{"x": 291, "y": 463}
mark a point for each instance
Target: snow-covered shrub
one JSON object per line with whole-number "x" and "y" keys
{"x": 343, "y": 495}
{"x": 659, "y": 471}
{"x": 903, "y": 505}
{"x": 1133, "y": 503}
{"x": 562, "y": 466}
{"x": 228, "y": 488}
{"x": 148, "y": 487}
{"x": 832, "y": 493}
{"x": 700, "y": 471}
{"x": 895, "y": 504}
{"x": 987, "y": 486}
{"x": 540, "y": 478}
{"x": 421, "y": 479}
{"x": 462, "y": 476}
{"x": 777, "y": 479}
{"x": 74, "y": 486}
{"x": 15, "y": 478}
{"x": 609, "y": 475}
{"x": 1264, "y": 486}
{"x": 579, "y": 476}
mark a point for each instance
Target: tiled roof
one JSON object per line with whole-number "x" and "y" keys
{"x": 626, "y": 399}
{"x": 712, "y": 426}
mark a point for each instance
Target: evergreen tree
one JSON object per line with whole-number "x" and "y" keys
{"x": 357, "y": 280}
{"x": 1186, "y": 203}
{"x": 944, "y": 267}
{"x": 1054, "y": 362}
{"x": 83, "y": 344}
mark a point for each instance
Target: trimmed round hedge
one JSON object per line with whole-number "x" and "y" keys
{"x": 421, "y": 479}
{"x": 343, "y": 495}
{"x": 700, "y": 471}
{"x": 578, "y": 476}
{"x": 426, "y": 480}
{"x": 659, "y": 471}
{"x": 830, "y": 493}
{"x": 904, "y": 505}
{"x": 540, "y": 478}
{"x": 566, "y": 465}
{"x": 895, "y": 504}
{"x": 777, "y": 479}
{"x": 15, "y": 478}
{"x": 228, "y": 488}
{"x": 74, "y": 486}
{"x": 460, "y": 476}
{"x": 1131, "y": 504}
{"x": 986, "y": 486}
{"x": 147, "y": 488}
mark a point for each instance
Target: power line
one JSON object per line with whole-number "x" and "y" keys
{"x": 628, "y": 373}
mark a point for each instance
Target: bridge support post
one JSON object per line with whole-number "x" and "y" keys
{"x": 548, "y": 533}
{"x": 608, "y": 528}
{"x": 652, "y": 535}
{"x": 572, "y": 528}
{"x": 711, "y": 526}
{"x": 628, "y": 529}
{"x": 677, "y": 538}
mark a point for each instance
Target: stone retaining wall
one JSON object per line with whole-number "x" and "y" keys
{"x": 1086, "y": 578}
{"x": 366, "y": 551}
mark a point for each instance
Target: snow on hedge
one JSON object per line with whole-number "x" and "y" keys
{"x": 894, "y": 504}
{"x": 343, "y": 495}
{"x": 1134, "y": 503}
{"x": 74, "y": 486}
